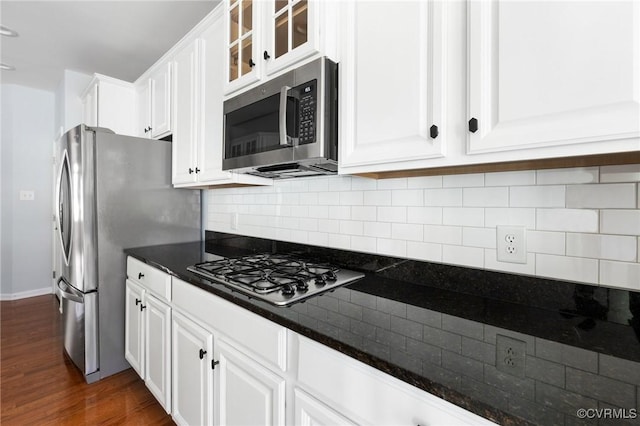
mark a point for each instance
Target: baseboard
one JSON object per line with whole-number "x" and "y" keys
{"x": 25, "y": 294}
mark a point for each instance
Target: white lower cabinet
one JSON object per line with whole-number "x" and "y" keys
{"x": 368, "y": 396}
{"x": 226, "y": 365}
{"x": 247, "y": 393}
{"x": 311, "y": 412}
{"x": 148, "y": 330}
{"x": 192, "y": 375}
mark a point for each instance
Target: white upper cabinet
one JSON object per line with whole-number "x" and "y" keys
{"x": 556, "y": 73}
{"x": 154, "y": 103}
{"x": 110, "y": 103}
{"x": 392, "y": 96}
{"x": 264, "y": 37}
{"x": 198, "y": 116}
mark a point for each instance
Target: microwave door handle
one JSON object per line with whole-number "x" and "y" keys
{"x": 283, "y": 116}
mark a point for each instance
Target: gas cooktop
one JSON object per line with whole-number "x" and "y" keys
{"x": 276, "y": 278}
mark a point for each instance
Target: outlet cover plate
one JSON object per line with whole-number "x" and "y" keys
{"x": 510, "y": 355}
{"x": 511, "y": 244}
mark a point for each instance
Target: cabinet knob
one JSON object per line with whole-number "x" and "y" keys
{"x": 146, "y": 130}
{"x": 266, "y": 55}
{"x": 190, "y": 170}
{"x": 140, "y": 275}
{"x": 202, "y": 353}
{"x": 138, "y": 301}
{"x": 433, "y": 131}
{"x": 251, "y": 63}
{"x": 473, "y": 125}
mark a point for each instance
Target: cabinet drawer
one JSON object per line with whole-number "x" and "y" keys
{"x": 152, "y": 279}
{"x": 259, "y": 336}
{"x": 356, "y": 390}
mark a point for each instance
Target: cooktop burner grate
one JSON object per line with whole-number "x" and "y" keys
{"x": 279, "y": 279}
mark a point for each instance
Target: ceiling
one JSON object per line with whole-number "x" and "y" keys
{"x": 121, "y": 39}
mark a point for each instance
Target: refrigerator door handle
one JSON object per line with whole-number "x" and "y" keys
{"x": 68, "y": 292}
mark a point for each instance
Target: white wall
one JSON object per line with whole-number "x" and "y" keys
{"x": 583, "y": 224}
{"x": 27, "y": 148}
{"x": 69, "y": 109}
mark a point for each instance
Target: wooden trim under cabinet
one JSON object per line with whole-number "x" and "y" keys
{"x": 618, "y": 158}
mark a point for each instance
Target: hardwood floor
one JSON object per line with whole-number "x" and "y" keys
{"x": 39, "y": 385}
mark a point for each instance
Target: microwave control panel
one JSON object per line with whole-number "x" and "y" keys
{"x": 307, "y": 113}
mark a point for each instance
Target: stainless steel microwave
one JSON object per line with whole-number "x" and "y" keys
{"x": 286, "y": 127}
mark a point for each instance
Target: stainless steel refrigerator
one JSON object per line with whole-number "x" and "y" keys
{"x": 113, "y": 192}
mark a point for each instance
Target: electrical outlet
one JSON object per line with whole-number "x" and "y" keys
{"x": 26, "y": 195}
{"x": 511, "y": 244}
{"x": 510, "y": 355}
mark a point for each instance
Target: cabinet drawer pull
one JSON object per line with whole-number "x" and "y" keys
{"x": 197, "y": 170}
{"x": 190, "y": 170}
{"x": 433, "y": 131}
{"x": 473, "y": 125}
{"x": 138, "y": 301}
{"x": 213, "y": 364}
{"x": 202, "y": 353}
{"x": 142, "y": 307}
{"x": 140, "y": 275}
{"x": 266, "y": 55}
{"x": 251, "y": 63}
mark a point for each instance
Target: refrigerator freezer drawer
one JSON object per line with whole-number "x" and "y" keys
{"x": 79, "y": 319}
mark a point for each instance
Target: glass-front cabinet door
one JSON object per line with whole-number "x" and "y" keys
{"x": 243, "y": 66}
{"x": 290, "y": 26}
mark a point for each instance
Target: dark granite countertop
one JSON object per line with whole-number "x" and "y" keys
{"x": 436, "y": 327}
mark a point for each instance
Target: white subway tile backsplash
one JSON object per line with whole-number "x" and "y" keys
{"x": 425, "y": 182}
{"x": 464, "y": 216}
{"x": 460, "y": 255}
{"x": 602, "y": 196}
{"x": 622, "y": 173}
{"x": 601, "y": 246}
{"x": 363, "y": 184}
{"x": 485, "y": 197}
{"x": 351, "y": 198}
{"x": 364, "y": 244}
{"x": 407, "y": 232}
{"x": 330, "y": 226}
{"x": 620, "y": 274}
{"x": 567, "y": 268}
{"x": 399, "y": 183}
{"x": 351, "y": 227}
{"x": 392, "y": 247}
{"x": 527, "y": 177}
{"x": 479, "y": 237}
{"x": 463, "y": 181}
{"x": 424, "y": 251}
{"x": 425, "y": 215}
{"x": 329, "y": 198}
{"x": 577, "y": 229}
{"x": 621, "y": 222}
{"x": 363, "y": 213}
{"x": 443, "y": 234}
{"x": 377, "y": 229}
{"x": 340, "y": 241}
{"x": 377, "y": 198}
{"x": 407, "y": 197}
{"x": 537, "y": 196}
{"x": 546, "y": 242}
{"x": 510, "y": 216}
{"x": 340, "y": 212}
{"x": 566, "y": 176}
{"x": 491, "y": 262}
{"x": 568, "y": 220}
{"x": 392, "y": 214}
{"x": 443, "y": 197}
